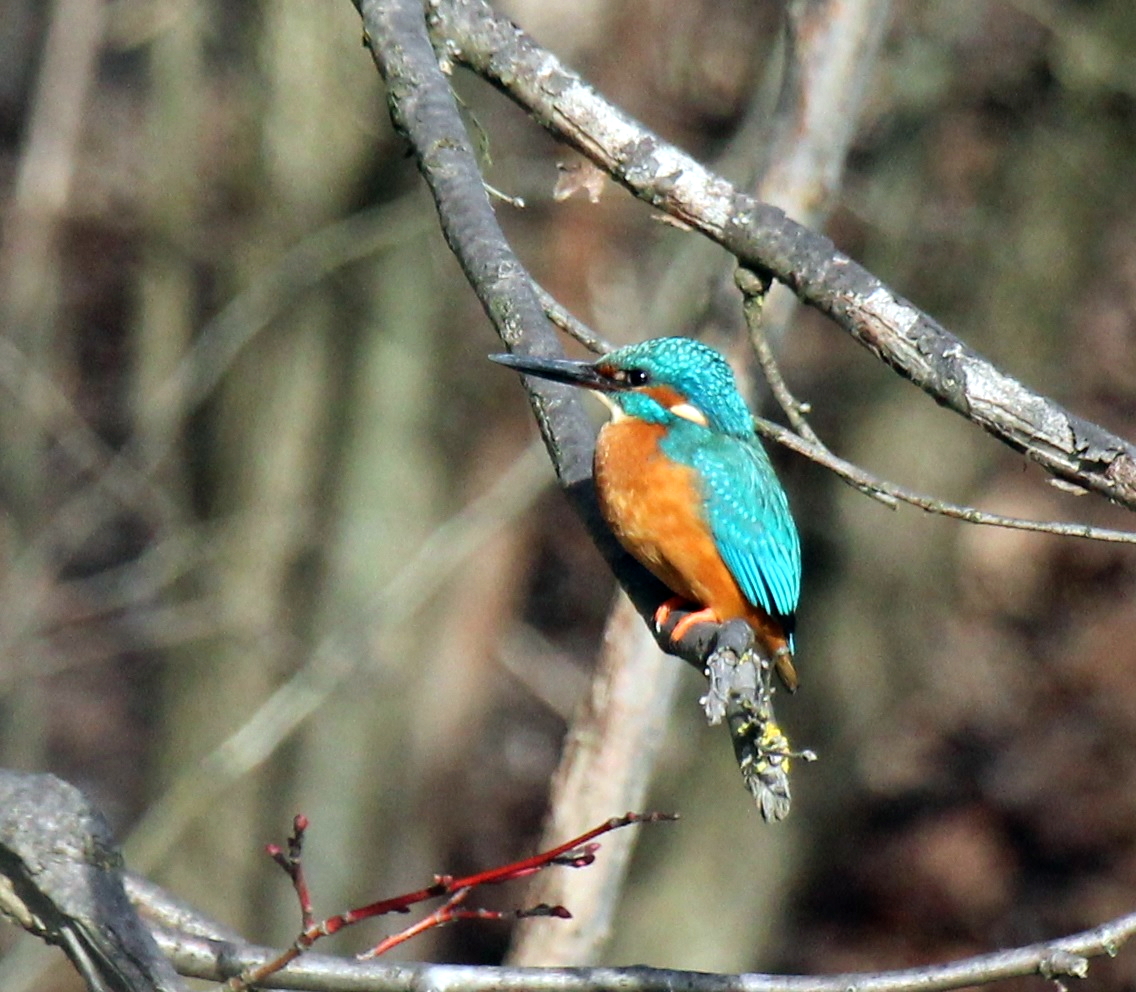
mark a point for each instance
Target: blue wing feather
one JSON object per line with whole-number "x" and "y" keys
{"x": 749, "y": 517}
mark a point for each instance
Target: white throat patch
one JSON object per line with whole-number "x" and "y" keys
{"x": 614, "y": 408}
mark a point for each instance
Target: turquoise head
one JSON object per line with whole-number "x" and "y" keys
{"x": 661, "y": 380}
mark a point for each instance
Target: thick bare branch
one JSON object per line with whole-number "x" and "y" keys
{"x": 216, "y": 961}
{"x": 423, "y": 108}
{"x": 61, "y": 879}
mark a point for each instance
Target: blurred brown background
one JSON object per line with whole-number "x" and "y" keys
{"x": 269, "y": 542}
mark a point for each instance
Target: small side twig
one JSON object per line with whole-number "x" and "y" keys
{"x": 755, "y": 286}
{"x": 571, "y": 325}
{"x": 859, "y": 478}
{"x": 449, "y": 912}
{"x": 292, "y": 862}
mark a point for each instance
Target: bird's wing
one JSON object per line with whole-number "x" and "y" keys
{"x": 749, "y": 517}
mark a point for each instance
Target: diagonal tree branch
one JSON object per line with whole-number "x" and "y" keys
{"x": 423, "y": 108}
{"x": 763, "y": 238}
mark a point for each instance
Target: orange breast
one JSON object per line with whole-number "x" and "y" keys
{"x": 654, "y": 507}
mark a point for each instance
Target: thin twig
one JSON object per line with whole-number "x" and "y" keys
{"x": 290, "y": 859}
{"x": 571, "y": 325}
{"x": 445, "y": 913}
{"x": 755, "y": 288}
{"x": 806, "y": 442}
{"x": 861, "y": 479}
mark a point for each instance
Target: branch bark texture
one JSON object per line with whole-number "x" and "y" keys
{"x": 216, "y": 961}
{"x": 61, "y": 879}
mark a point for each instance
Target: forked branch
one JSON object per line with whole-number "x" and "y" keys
{"x": 762, "y": 238}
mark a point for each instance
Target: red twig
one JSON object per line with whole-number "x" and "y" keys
{"x": 292, "y": 863}
{"x": 576, "y": 853}
{"x": 448, "y": 912}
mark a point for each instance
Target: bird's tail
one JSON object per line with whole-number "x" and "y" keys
{"x": 783, "y": 663}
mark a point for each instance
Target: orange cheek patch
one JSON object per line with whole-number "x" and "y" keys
{"x": 665, "y": 396}
{"x": 671, "y": 399}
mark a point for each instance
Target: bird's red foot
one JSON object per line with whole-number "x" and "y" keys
{"x": 690, "y": 620}
{"x": 662, "y": 614}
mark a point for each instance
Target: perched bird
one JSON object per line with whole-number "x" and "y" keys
{"x": 687, "y": 488}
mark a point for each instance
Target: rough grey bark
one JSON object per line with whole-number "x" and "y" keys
{"x": 61, "y": 879}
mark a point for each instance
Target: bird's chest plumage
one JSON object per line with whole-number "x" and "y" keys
{"x": 656, "y": 508}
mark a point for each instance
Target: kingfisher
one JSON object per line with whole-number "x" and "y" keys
{"x": 687, "y": 487}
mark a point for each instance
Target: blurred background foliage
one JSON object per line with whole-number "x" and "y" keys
{"x": 272, "y": 540}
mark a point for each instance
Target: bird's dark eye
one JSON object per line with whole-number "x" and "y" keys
{"x": 637, "y": 377}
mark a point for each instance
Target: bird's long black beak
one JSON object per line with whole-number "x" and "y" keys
{"x": 574, "y": 373}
